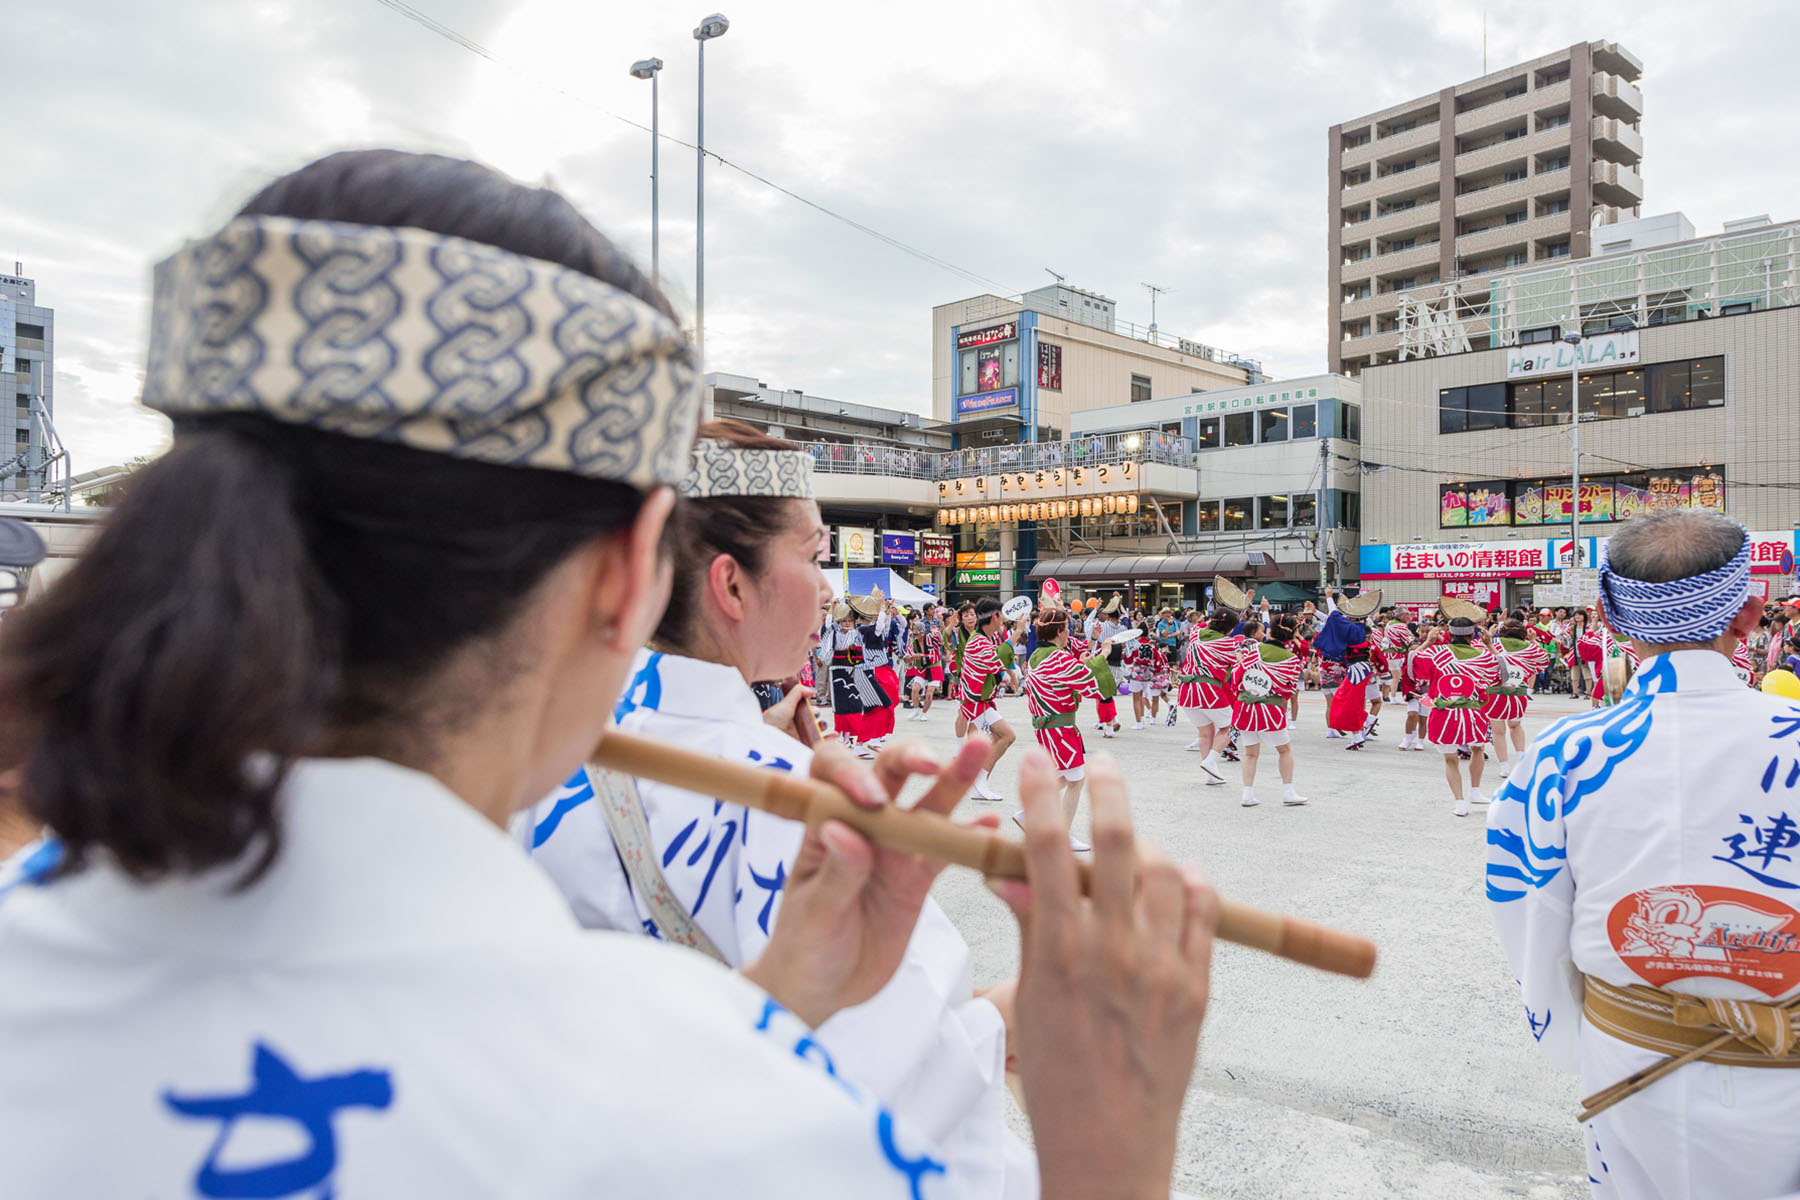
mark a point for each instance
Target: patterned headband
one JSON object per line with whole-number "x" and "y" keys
{"x": 1696, "y": 609}
{"x": 722, "y": 469}
{"x": 436, "y": 343}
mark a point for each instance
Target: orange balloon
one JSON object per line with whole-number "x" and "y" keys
{"x": 1093, "y": 602}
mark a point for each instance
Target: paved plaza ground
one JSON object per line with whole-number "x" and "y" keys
{"x": 1421, "y": 1082}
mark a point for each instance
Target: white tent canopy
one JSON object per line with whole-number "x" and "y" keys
{"x": 861, "y": 581}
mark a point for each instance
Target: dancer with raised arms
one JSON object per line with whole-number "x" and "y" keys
{"x": 1458, "y": 671}
{"x": 1266, "y": 675}
{"x": 1055, "y": 684}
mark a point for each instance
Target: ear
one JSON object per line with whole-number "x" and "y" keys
{"x": 1744, "y": 624}
{"x": 631, "y": 585}
{"x": 724, "y": 583}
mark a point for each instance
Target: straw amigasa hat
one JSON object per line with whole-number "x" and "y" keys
{"x": 1113, "y": 605}
{"x": 840, "y": 611}
{"x": 1227, "y": 594}
{"x": 1363, "y": 606}
{"x": 864, "y": 606}
{"x": 1461, "y": 612}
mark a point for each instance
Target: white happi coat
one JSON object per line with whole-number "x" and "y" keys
{"x": 1655, "y": 842}
{"x": 401, "y": 1006}
{"x": 924, "y": 1044}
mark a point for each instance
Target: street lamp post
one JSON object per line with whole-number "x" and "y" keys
{"x": 712, "y": 27}
{"x": 647, "y": 69}
{"x": 1573, "y": 338}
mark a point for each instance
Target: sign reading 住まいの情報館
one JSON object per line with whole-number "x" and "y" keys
{"x": 1593, "y": 353}
{"x": 1517, "y": 559}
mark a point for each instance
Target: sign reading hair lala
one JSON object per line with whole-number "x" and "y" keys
{"x": 1544, "y": 358}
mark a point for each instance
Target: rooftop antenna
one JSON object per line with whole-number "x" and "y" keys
{"x": 1484, "y": 41}
{"x": 1154, "y": 293}
{"x": 1054, "y": 276}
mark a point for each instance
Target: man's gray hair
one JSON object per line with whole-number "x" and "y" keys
{"x": 1661, "y": 547}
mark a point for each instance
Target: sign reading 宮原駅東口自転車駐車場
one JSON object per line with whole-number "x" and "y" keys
{"x": 1606, "y": 350}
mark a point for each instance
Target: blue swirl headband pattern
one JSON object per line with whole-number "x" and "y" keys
{"x": 1696, "y": 609}
{"x": 436, "y": 343}
{"x": 721, "y": 469}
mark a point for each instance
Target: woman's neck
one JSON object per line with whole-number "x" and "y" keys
{"x": 709, "y": 641}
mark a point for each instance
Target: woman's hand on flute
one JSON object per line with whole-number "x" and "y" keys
{"x": 793, "y": 716}
{"x": 1112, "y": 989}
{"x": 849, "y": 908}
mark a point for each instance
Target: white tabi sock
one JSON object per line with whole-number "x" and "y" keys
{"x": 1211, "y": 761}
{"x": 1369, "y": 724}
{"x": 1288, "y": 792}
{"x": 1249, "y": 797}
{"x": 981, "y": 782}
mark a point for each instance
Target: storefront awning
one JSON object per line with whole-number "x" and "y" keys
{"x": 1149, "y": 567}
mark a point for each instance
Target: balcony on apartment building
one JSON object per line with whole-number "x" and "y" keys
{"x": 1421, "y": 134}
{"x": 1419, "y": 218}
{"x": 1617, "y": 140}
{"x": 1617, "y": 185}
{"x": 1617, "y": 97}
{"x": 1498, "y": 103}
{"x": 1486, "y": 156}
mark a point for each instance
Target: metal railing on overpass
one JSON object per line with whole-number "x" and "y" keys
{"x": 857, "y": 458}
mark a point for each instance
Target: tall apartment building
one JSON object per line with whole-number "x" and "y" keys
{"x": 1504, "y": 171}
{"x": 27, "y": 358}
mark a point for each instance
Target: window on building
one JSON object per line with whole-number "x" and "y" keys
{"x": 1526, "y": 403}
{"x": 1237, "y": 513}
{"x": 1557, "y": 250}
{"x": 1306, "y": 421}
{"x": 1515, "y": 259}
{"x": 1272, "y": 425}
{"x": 1613, "y": 394}
{"x": 1395, "y": 247}
{"x": 1140, "y": 388}
{"x": 1352, "y": 510}
{"x": 1352, "y": 423}
{"x": 1513, "y": 176}
{"x": 1306, "y": 510}
{"x": 30, "y": 331}
{"x": 1240, "y": 430}
{"x": 1550, "y": 208}
{"x": 1540, "y": 335}
{"x": 1706, "y": 379}
{"x": 1206, "y": 434}
{"x": 1559, "y": 163}
{"x": 1272, "y": 512}
{"x": 1732, "y": 310}
{"x": 989, "y": 368}
{"x": 1206, "y": 515}
{"x": 1466, "y": 408}
{"x": 22, "y": 439}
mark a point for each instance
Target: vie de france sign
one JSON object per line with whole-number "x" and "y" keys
{"x": 1594, "y": 353}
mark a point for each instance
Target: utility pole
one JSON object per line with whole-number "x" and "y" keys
{"x": 1573, "y": 338}
{"x": 1319, "y": 513}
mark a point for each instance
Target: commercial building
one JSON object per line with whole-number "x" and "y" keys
{"x": 1688, "y": 367}
{"x": 31, "y": 456}
{"x": 1504, "y": 171}
{"x": 1017, "y": 370}
{"x": 1278, "y": 493}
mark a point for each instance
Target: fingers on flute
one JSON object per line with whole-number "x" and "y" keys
{"x": 1049, "y": 862}
{"x": 1115, "y": 848}
{"x": 957, "y": 776}
{"x": 1162, "y": 897}
{"x": 900, "y": 761}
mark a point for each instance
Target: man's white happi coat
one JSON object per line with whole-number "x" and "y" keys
{"x": 401, "y": 1006}
{"x": 924, "y": 1044}
{"x": 1658, "y": 842}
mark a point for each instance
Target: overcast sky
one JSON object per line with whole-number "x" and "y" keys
{"x": 1178, "y": 143}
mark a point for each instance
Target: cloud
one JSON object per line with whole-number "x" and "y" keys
{"x": 1172, "y": 143}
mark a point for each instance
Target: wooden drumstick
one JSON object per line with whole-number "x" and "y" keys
{"x": 801, "y": 798}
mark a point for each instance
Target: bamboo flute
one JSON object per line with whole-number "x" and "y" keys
{"x": 800, "y": 798}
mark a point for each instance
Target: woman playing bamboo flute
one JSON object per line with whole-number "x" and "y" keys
{"x": 379, "y": 596}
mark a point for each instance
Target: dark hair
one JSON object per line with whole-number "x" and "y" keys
{"x": 1051, "y": 624}
{"x": 985, "y": 607}
{"x": 701, "y": 530}
{"x": 266, "y": 591}
{"x": 1281, "y": 629}
{"x": 1513, "y": 628}
{"x": 1223, "y": 621}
